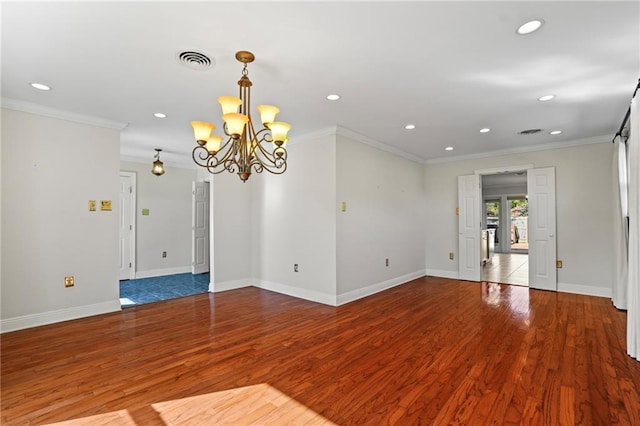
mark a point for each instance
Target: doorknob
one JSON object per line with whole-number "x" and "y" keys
{"x": 550, "y": 235}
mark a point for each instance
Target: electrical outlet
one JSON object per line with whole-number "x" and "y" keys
{"x": 559, "y": 264}
{"x": 295, "y": 267}
{"x": 386, "y": 262}
{"x": 69, "y": 281}
{"x": 164, "y": 254}
{"x": 450, "y": 255}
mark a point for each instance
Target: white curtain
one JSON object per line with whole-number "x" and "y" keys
{"x": 633, "y": 305}
{"x": 620, "y": 229}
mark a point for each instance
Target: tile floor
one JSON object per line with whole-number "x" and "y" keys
{"x": 147, "y": 290}
{"x": 507, "y": 268}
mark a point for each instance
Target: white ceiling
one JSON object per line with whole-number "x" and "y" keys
{"x": 450, "y": 68}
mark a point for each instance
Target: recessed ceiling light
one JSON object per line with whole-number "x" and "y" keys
{"x": 333, "y": 97}
{"x": 531, "y": 26}
{"x": 555, "y": 132}
{"x": 40, "y": 86}
{"x": 160, "y": 115}
{"x": 546, "y": 97}
{"x": 410, "y": 126}
{"x": 485, "y": 130}
{"x": 449, "y": 148}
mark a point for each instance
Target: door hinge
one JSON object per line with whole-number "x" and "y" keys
{"x": 130, "y": 190}
{"x": 130, "y": 227}
{"x": 129, "y": 264}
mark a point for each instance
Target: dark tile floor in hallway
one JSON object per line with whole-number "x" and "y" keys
{"x": 154, "y": 289}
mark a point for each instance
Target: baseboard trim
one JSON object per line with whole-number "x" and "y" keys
{"x": 314, "y": 296}
{"x": 230, "y": 285}
{"x": 44, "y": 318}
{"x": 162, "y": 272}
{"x": 586, "y": 290}
{"x": 377, "y": 288}
{"x": 441, "y": 273}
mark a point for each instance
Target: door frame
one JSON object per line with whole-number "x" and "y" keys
{"x": 480, "y": 208}
{"x": 132, "y": 213}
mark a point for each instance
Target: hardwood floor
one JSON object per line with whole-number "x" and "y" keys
{"x": 432, "y": 351}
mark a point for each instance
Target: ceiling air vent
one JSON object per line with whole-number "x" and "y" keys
{"x": 530, "y": 132}
{"x": 194, "y": 60}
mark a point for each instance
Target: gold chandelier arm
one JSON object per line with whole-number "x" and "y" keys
{"x": 214, "y": 163}
{"x": 273, "y": 163}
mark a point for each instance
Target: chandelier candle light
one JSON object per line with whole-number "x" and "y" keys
{"x": 245, "y": 149}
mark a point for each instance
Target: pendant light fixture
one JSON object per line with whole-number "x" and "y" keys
{"x": 158, "y": 166}
{"x": 245, "y": 150}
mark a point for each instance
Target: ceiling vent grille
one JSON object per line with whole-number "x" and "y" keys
{"x": 194, "y": 60}
{"x": 530, "y": 132}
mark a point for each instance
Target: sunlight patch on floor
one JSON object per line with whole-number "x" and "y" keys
{"x": 259, "y": 404}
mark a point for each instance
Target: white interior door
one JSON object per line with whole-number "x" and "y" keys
{"x": 469, "y": 221}
{"x": 126, "y": 219}
{"x": 200, "y": 228}
{"x": 541, "y": 189}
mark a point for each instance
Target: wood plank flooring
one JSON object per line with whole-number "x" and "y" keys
{"x": 432, "y": 351}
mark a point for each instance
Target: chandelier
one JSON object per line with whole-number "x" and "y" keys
{"x": 245, "y": 149}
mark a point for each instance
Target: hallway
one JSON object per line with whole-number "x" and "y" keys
{"x": 154, "y": 289}
{"x": 507, "y": 268}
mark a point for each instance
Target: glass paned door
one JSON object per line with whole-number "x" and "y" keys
{"x": 492, "y": 219}
{"x": 519, "y": 218}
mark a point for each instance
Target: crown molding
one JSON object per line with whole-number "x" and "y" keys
{"x": 348, "y": 133}
{"x": 532, "y": 148}
{"x": 32, "y": 108}
{"x": 312, "y": 136}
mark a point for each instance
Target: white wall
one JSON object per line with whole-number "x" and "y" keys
{"x": 384, "y": 218}
{"x": 51, "y": 168}
{"x": 296, "y": 223}
{"x": 504, "y": 190}
{"x": 233, "y": 248}
{"x": 584, "y": 213}
{"x": 168, "y": 225}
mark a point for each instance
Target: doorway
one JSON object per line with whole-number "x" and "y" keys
{"x": 509, "y": 264}
{"x": 175, "y": 213}
{"x": 495, "y": 198}
{"x": 127, "y": 226}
